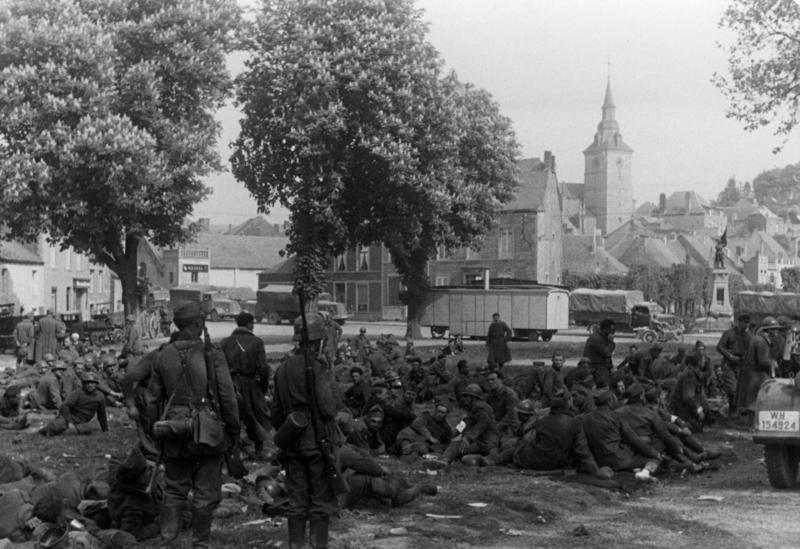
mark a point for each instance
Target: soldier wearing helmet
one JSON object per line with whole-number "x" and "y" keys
{"x": 185, "y": 372}
{"x": 480, "y": 434}
{"x": 312, "y": 498}
{"x": 80, "y": 408}
{"x": 757, "y": 365}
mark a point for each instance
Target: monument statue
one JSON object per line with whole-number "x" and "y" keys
{"x": 719, "y": 247}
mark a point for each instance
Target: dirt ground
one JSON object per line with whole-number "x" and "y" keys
{"x": 732, "y": 507}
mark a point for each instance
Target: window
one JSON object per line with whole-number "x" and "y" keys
{"x": 68, "y": 261}
{"x": 340, "y": 263}
{"x": 171, "y": 277}
{"x": 441, "y": 253}
{"x": 340, "y": 292}
{"x": 52, "y": 256}
{"x": 362, "y": 298}
{"x": 363, "y": 258}
{"x": 194, "y": 276}
{"x": 53, "y": 299}
{"x": 100, "y": 282}
{"x": 394, "y": 287}
{"x": 505, "y": 248}
{"x": 35, "y": 282}
{"x": 471, "y": 254}
{"x": 68, "y": 295}
{"x": 5, "y": 281}
{"x": 442, "y": 281}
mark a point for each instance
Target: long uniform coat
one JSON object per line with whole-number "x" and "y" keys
{"x": 24, "y": 334}
{"x": 755, "y": 370}
{"x": 613, "y": 442}
{"x": 497, "y": 342}
{"x": 599, "y": 349}
{"x": 250, "y": 373}
{"x": 50, "y": 329}
{"x": 559, "y": 441}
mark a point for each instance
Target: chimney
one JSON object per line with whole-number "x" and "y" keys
{"x": 549, "y": 161}
{"x": 688, "y": 199}
{"x": 662, "y": 203}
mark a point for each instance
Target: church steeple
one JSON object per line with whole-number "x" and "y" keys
{"x": 608, "y": 192}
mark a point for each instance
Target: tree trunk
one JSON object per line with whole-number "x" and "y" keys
{"x": 126, "y": 268}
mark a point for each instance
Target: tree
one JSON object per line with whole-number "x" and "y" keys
{"x": 790, "y": 276}
{"x": 729, "y": 195}
{"x": 108, "y": 121}
{"x": 762, "y": 83}
{"x": 351, "y": 125}
{"x": 779, "y": 189}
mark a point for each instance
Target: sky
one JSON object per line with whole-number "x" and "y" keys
{"x": 546, "y": 63}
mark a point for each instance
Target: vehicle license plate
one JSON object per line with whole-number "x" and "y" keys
{"x": 779, "y": 421}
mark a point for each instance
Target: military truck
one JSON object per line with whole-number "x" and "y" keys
{"x": 277, "y": 302}
{"x": 761, "y": 304}
{"x": 216, "y": 305}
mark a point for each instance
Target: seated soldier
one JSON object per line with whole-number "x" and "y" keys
{"x": 48, "y": 394}
{"x": 439, "y": 428}
{"x": 612, "y": 442}
{"x": 376, "y": 362}
{"x": 481, "y": 377}
{"x": 412, "y": 356}
{"x": 80, "y": 407}
{"x": 480, "y": 435}
{"x": 462, "y": 379}
{"x": 656, "y": 400}
{"x": 577, "y": 373}
{"x": 432, "y": 387}
{"x": 582, "y": 392}
{"x": 503, "y": 455}
{"x": 558, "y": 441}
{"x": 688, "y": 398}
{"x": 131, "y": 508}
{"x": 413, "y": 375}
{"x": 357, "y": 395}
{"x": 415, "y": 440}
{"x": 366, "y": 434}
{"x": 369, "y": 480}
{"x": 11, "y": 416}
{"x": 651, "y": 429}
{"x": 503, "y": 401}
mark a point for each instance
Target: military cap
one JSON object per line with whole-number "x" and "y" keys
{"x": 187, "y": 310}
{"x": 635, "y": 390}
{"x": 769, "y": 323}
{"x": 59, "y": 365}
{"x": 699, "y": 345}
{"x": 526, "y": 407}
{"x": 48, "y": 357}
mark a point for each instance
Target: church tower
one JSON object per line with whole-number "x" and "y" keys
{"x": 607, "y": 189}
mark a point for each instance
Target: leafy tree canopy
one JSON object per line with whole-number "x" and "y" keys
{"x": 762, "y": 84}
{"x": 108, "y": 120}
{"x": 350, "y": 122}
{"x": 779, "y": 189}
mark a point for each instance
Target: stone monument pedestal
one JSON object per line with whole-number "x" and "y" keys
{"x": 720, "y": 298}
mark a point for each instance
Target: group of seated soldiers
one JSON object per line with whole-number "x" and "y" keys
{"x": 546, "y": 418}
{"x": 77, "y": 385}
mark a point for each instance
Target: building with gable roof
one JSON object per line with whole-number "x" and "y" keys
{"x": 527, "y": 242}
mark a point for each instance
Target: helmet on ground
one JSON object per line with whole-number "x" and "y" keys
{"x": 526, "y": 407}
{"x": 473, "y": 390}
{"x": 316, "y": 327}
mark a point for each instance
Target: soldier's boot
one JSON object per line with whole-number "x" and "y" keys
{"x": 692, "y": 444}
{"x": 319, "y": 533}
{"x": 201, "y": 528}
{"x": 170, "y": 525}
{"x": 297, "y": 533}
{"x": 406, "y": 496}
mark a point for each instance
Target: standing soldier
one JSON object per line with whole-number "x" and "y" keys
{"x": 305, "y": 458}
{"x": 185, "y": 374}
{"x": 599, "y": 349}
{"x": 133, "y": 338}
{"x": 497, "y": 341}
{"x": 247, "y": 361}
{"x": 50, "y": 329}
{"x": 732, "y": 346}
{"x": 333, "y": 334}
{"x": 23, "y": 339}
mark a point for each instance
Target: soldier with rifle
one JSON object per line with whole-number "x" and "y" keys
{"x": 190, "y": 381}
{"x": 304, "y": 411}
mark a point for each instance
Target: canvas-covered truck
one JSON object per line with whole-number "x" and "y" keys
{"x": 276, "y": 303}
{"x": 627, "y": 308}
{"x": 532, "y": 311}
{"x": 761, "y": 304}
{"x": 215, "y": 304}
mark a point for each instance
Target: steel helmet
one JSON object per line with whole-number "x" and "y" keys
{"x": 473, "y": 390}
{"x": 316, "y": 327}
{"x": 526, "y": 407}
{"x": 90, "y": 377}
{"x": 770, "y": 322}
